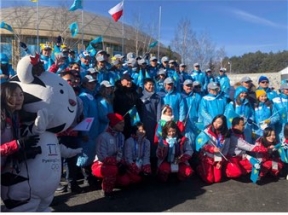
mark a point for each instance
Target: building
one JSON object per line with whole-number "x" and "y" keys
{"x": 51, "y": 22}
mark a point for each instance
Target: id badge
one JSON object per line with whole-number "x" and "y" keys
{"x": 217, "y": 158}
{"x": 274, "y": 165}
{"x": 174, "y": 167}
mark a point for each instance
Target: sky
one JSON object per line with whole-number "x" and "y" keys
{"x": 237, "y": 26}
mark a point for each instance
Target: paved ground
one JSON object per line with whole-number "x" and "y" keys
{"x": 188, "y": 196}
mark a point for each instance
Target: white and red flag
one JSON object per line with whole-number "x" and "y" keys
{"x": 117, "y": 11}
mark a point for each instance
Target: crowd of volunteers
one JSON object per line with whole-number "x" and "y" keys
{"x": 153, "y": 117}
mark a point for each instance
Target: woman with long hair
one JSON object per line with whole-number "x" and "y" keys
{"x": 214, "y": 150}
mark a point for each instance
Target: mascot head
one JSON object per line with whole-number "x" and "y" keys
{"x": 44, "y": 89}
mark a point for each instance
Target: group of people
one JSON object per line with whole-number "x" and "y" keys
{"x": 155, "y": 117}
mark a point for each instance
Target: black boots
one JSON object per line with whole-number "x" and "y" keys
{"x": 73, "y": 187}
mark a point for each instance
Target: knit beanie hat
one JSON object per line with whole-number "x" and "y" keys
{"x": 260, "y": 93}
{"x": 114, "y": 118}
{"x": 263, "y": 78}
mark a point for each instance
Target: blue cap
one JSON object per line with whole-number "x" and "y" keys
{"x": 263, "y": 78}
{"x": 4, "y": 58}
{"x": 84, "y": 54}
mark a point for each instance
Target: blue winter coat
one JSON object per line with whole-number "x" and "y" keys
{"x": 104, "y": 107}
{"x": 192, "y": 102}
{"x": 264, "y": 112}
{"x": 211, "y": 106}
{"x": 281, "y": 105}
{"x": 89, "y": 147}
{"x": 224, "y": 82}
{"x": 175, "y": 101}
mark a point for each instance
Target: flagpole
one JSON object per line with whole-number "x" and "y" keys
{"x": 82, "y": 27}
{"x": 37, "y": 40}
{"x": 159, "y": 26}
{"x": 123, "y": 32}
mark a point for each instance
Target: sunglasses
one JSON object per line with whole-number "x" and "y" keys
{"x": 197, "y": 86}
{"x": 264, "y": 82}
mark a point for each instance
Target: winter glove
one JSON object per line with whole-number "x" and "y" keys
{"x": 59, "y": 40}
{"x": 23, "y": 45}
{"x": 28, "y": 142}
{"x": 267, "y": 121}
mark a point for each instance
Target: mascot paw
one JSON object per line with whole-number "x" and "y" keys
{"x": 42, "y": 120}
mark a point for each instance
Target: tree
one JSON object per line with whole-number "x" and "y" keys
{"x": 195, "y": 47}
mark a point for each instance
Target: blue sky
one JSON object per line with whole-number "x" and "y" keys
{"x": 238, "y": 26}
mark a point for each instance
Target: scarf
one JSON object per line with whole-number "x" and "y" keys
{"x": 171, "y": 154}
{"x": 146, "y": 95}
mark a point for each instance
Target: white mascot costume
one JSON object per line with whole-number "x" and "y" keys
{"x": 36, "y": 179}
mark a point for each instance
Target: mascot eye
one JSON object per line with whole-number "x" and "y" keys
{"x": 61, "y": 91}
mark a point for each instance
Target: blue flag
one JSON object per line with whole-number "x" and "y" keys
{"x": 6, "y": 26}
{"x": 255, "y": 171}
{"x": 77, "y": 4}
{"x": 283, "y": 152}
{"x": 97, "y": 40}
{"x": 134, "y": 116}
{"x": 201, "y": 140}
{"x": 153, "y": 44}
{"x": 73, "y": 29}
{"x": 91, "y": 50}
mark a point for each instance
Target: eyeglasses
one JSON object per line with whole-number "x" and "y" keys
{"x": 264, "y": 82}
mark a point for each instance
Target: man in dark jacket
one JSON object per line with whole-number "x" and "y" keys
{"x": 125, "y": 98}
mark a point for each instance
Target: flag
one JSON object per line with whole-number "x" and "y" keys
{"x": 153, "y": 44}
{"x": 201, "y": 140}
{"x": 255, "y": 168}
{"x": 77, "y": 4}
{"x": 97, "y": 40}
{"x": 92, "y": 51}
{"x": 134, "y": 116}
{"x": 73, "y": 29}
{"x": 6, "y": 26}
{"x": 34, "y": 1}
{"x": 117, "y": 11}
{"x": 283, "y": 152}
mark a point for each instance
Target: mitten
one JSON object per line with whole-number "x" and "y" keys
{"x": 23, "y": 45}
{"x": 28, "y": 142}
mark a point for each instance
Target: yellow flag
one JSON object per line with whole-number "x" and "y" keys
{"x": 34, "y": 0}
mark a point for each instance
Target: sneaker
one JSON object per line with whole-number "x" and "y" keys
{"x": 61, "y": 189}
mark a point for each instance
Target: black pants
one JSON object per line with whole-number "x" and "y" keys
{"x": 72, "y": 170}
